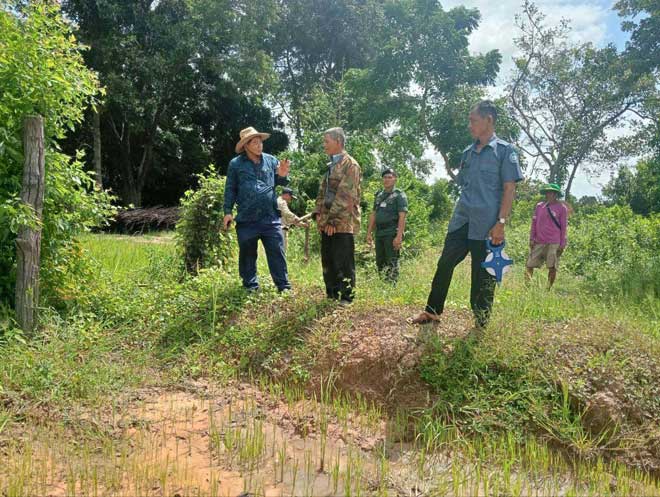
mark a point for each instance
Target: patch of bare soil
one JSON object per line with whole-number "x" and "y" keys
{"x": 205, "y": 441}
{"x": 376, "y": 353}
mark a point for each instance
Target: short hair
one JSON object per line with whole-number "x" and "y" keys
{"x": 337, "y": 134}
{"x": 486, "y": 108}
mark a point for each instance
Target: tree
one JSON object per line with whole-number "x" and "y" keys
{"x": 566, "y": 97}
{"x": 43, "y": 72}
{"x": 643, "y": 23}
{"x": 166, "y": 64}
{"x": 424, "y": 80}
{"x": 639, "y": 189}
{"x": 314, "y": 43}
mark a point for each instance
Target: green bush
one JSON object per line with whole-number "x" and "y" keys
{"x": 42, "y": 72}
{"x": 616, "y": 251}
{"x": 199, "y": 232}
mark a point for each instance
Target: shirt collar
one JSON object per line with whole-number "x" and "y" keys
{"x": 336, "y": 158}
{"x": 492, "y": 143}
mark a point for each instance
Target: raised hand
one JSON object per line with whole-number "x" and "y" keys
{"x": 283, "y": 167}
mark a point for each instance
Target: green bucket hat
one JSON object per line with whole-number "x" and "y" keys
{"x": 551, "y": 187}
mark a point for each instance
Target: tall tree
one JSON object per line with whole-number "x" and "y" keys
{"x": 315, "y": 42}
{"x": 159, "y": 61}
{"x": 566, "y": 97}
{"x": 642, "y": 20}
{"x": 425, "y": 80}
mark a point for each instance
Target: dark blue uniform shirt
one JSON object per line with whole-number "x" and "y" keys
{"x": 481, "y": 179}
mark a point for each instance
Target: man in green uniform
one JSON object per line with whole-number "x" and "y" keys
{"x": 389, "y": 219}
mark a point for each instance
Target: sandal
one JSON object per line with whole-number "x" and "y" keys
{"x": 424, "y": 318}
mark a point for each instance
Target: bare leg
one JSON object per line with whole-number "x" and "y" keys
{"x": 529, "y": 271}
{"x": 552, "y": 275}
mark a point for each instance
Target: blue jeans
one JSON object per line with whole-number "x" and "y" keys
{"x": 270, "y": 234}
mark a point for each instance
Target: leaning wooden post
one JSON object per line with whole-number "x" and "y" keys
{"x": 28, "y": 242}
{"x": 306, "y": 243}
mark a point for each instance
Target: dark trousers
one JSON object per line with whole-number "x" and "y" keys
{"x": 387, "y": 258}
{"x": 338, "y": 262}
{"x": 271, "y": 237}
{"x": 482, "y": 290}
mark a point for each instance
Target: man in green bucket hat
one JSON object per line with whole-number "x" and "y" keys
{"x": 547, "y": 238}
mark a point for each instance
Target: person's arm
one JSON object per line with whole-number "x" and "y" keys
{"x": 231, "y": 192}
{"x": 402, "y": 204}
{"x": 401, "y": 227}
{"x": 511, "y": 174}
{"x": 282, "y": 172}
{"x": 532, "y": 231}
{"x": 497, "y": 231}
{"x": 288, "y": 217}
{"x": 320, "y": 198}
{"x": 563, "y": 223}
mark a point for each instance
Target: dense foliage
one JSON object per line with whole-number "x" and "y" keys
{"x": 42, "y": 72}
{"x": 199, "y": 232}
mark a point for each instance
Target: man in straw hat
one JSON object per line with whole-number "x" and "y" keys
{"x": 337, "y": 214}
{"x": 488, "y": 173}
{"x": 547, "y": 238}
{"x": 251, "y": 180}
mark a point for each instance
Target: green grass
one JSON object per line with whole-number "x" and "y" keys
{"x": 139, "y": 320}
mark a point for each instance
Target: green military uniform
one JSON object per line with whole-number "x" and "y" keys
{"x": 387, "y": 206}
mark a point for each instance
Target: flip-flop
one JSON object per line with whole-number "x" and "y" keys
{"x": 423, "y": 318}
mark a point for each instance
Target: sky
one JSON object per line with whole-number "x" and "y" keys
{"x": 593, "y": 21}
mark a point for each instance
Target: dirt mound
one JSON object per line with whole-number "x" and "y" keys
{"x": 375, "y": 353}
{"x": 612, "y": 372}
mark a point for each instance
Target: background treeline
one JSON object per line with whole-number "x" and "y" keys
{"x": 182, "y": 77}
{"x": 140, "y": 97}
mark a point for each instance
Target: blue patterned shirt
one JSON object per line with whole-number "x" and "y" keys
{"x": 251, "y": 187}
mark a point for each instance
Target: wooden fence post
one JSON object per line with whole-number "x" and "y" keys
{"x": 306, "y": 244}
{"x": 28, "y": 242}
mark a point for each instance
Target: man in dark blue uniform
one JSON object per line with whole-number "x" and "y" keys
{"x": 488, "y": 174}
{"x": 251, "y": 180}
{"x": 388, "y": 218}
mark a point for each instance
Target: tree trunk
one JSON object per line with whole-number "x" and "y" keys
{"x": 96, "y": 132}
{"x": 28, "y": 242}
{"x": 570, "y": 182}
{"x": 129, "y": 192}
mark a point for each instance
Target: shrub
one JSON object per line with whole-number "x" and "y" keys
{"x": 199, "y": 232}
{"x": 42, "y": 72}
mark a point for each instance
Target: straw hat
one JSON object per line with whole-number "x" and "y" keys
{"x": 246, "y": 135}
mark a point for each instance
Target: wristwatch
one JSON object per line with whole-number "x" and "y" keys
{"x": 502, "y": 220}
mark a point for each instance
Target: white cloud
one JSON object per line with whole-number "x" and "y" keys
{"x": 497, "y": 29}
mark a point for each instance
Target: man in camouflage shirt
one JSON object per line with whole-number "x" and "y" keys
{"x": 389, "y": 219}
{"x": 337, "y": 214}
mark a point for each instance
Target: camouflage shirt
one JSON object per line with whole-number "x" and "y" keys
{"x": 342, "y": 178}
{"x": 288, "y": 217}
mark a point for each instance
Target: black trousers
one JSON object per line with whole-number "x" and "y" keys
{"x": 338, "y": 262}
{"x": 387, "y": 258}
{"x": 482, "y": 289}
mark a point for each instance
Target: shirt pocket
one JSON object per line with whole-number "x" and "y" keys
{"x": 490, "y": 175}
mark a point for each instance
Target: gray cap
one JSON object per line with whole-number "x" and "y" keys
{"x": 389, "y": 170}
{"x": 289, "y": 191}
